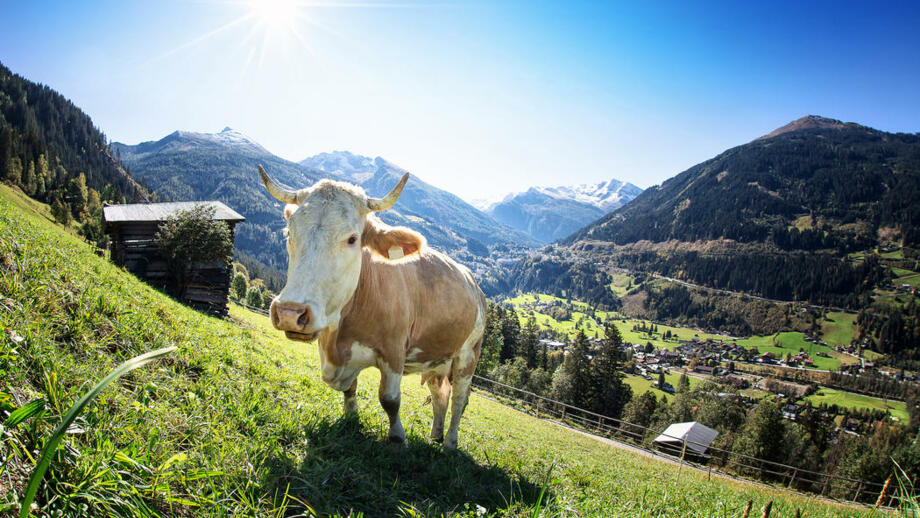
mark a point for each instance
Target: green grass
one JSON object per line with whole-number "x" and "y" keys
{"x": 641, "y": 385}
{"x": 792, "y": 342}
{"x": 238, "y": 423}
{"x": 839, "y": 328}
{"x": 898, "y": 409}
{"x": 620, "y": 283}
{"x": 897, "y": 254}
{"x": 905, "y": 277}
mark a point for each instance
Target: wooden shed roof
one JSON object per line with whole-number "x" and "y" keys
{"x": 161, "y": 211}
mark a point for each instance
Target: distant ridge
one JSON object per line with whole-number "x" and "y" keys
{"x": 808, "y": 122}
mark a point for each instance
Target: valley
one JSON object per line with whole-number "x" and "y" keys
{"x": 561, "y": 319}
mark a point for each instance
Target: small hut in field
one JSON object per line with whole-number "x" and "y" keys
{"x": 697, "y": 438}
{"x": 132, "y": 229}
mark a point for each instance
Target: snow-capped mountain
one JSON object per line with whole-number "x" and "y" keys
{"x": 606, "y": 196}
{"x": 357, "y": 167}
{"x": 551, "y": 213}
{"x": 178, "y": 141}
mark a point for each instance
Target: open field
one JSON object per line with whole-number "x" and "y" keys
{"x": 238, "y": 423}
{"x": 641, "y": 385}
{"x": 850, "y": 400}
{"x": 791, "y": 342}
{"x": 620, "y": 284}
{"x": 905, "y": 277}
{"x": 839, "y": 328}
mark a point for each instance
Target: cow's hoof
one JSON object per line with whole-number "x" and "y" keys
{"x": 450, "y": 445}
{"x": 395, "y": 439}
{"x": 436, "y": 438}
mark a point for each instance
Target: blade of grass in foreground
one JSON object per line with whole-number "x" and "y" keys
{"x": 55, "y": 440}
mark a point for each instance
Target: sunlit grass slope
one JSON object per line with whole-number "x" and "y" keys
{"x": 237, "y": 422}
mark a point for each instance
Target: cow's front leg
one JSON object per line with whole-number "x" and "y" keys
{"x": 351, "y": 400}
{"x": 389, "y": 400}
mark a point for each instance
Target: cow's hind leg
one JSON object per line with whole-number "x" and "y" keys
{"x": 440, "y": 392}
{"x": 351, "y": 401}
{"x": 389, "y": 399}
{"x": 460, "y": 394}
{"x": 461, "y": 374}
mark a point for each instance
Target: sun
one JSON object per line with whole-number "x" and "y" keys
{"x": 274, "y": 14}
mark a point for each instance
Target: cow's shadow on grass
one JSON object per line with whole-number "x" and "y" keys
{"x": 346, "y": 470}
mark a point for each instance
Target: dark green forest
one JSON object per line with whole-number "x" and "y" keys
{"x": 818, "y": 278}
{"x": 53, "y": 152}
{"x": 577, "y": 279}
{"x": 849, "y": 183}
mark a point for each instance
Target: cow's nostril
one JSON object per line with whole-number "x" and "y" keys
{"x": 304, "y": 319}
{"x": 276, "y": 320}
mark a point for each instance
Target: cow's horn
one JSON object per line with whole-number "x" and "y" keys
{"x": 378, "y": 204}
{"x": 282, "y": 193}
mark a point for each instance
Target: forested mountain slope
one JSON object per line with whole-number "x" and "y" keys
{"x": 838, "y": 186}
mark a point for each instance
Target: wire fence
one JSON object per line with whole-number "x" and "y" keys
{"x": 712, "y": 459}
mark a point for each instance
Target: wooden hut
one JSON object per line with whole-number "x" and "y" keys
{"x": 132, "y": 229}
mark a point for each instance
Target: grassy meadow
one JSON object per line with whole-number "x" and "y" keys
{"x": 791, "y": 342}
{"x": 840, "y": 398}
{"x": 641, "y": 385}
{"x": 238, "y": 423}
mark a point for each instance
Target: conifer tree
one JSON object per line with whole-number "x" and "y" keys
{"x": 611, "y": 393}
{"x": 529, "y": 342}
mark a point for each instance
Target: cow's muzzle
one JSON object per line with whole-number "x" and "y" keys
{"x": 296, "y": 320}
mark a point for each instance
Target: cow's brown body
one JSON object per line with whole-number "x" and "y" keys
{"x": 422, "y": 313}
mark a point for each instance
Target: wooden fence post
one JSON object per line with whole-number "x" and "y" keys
{"x": 792, "y": 480}
{"x": 683, "y": 451}
{"x": 858, "y": 489}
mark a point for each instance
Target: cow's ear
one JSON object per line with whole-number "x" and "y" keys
{"x": 288, "y": 210}
{"x": 387, "y": 241}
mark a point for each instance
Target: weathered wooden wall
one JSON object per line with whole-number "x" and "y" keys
{"x": 133, "y": 246}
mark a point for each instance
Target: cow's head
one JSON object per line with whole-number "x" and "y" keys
{"x": 328, "y": 225}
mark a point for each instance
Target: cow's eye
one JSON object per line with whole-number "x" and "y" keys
{"x": 353, "y": 239}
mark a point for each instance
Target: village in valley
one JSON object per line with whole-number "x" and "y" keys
{"x": 793, "y": 369}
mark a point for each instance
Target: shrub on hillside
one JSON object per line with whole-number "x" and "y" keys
{"x": 193, "y": 237}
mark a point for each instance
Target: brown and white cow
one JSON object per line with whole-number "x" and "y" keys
{"x": 376, "y": 295}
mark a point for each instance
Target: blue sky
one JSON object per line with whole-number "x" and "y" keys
{"x": 479, "y": 98}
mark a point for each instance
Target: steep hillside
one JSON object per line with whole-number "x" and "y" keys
{"x": 195, "y": 166}
{"x": 551, "y": 213}
{"x": 46, "y": 140}
{"x": 238, "y": 423}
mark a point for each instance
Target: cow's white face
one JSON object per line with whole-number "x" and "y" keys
{"x": 328, "y": 224}
{"x": 324, "y": 253}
